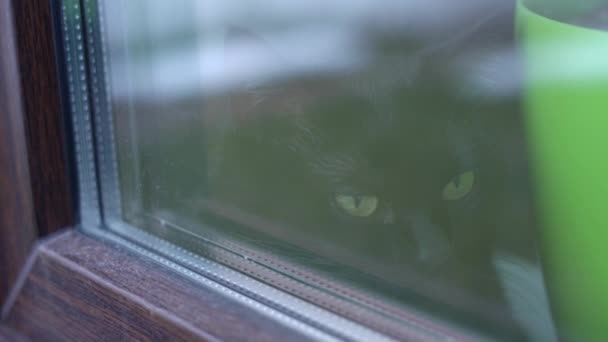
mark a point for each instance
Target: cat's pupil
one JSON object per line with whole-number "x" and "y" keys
{"x": 457, "y": 181}
{"x": 357, "y": 200}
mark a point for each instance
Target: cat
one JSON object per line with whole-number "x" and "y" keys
{"x": 400, "y": 167}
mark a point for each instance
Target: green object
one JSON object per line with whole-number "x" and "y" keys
{"x": 566, "y": 87}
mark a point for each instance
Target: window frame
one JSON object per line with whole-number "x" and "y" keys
{"x": 17, "y": 227}
{"x": 52, "y": 202}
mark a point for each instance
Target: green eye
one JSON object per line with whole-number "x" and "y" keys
{"x": 360, "y": 206}
{"x": 459, "y": 186}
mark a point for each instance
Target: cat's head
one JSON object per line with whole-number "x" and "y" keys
{"x": 391, "y": 160}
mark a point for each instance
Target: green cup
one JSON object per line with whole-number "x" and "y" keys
{"x": 566, "y": 103}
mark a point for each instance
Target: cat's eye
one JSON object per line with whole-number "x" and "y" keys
{"x": 459, "y": 186}
{"x": 357, "y": 205}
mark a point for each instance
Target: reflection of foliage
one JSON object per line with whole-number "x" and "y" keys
{"x": 168, "y": 155}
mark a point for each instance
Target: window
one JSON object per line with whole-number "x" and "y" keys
{"x": 376, "y": 169}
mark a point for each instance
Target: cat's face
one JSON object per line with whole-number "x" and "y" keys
{"x": 394, "y": 163}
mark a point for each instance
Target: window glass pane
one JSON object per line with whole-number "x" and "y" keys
{"x": 390, "y": 153}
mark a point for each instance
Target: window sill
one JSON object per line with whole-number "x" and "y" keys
{"x": 79, "y": 288}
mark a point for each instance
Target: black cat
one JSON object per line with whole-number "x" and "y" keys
{"x": 412, "y": 164}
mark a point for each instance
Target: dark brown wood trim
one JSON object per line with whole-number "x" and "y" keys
{"x": 9, "y": 335}
{"x": 44, "y": 117}
{"x": 83, "y": 289}
{"x": 17, "y": 223}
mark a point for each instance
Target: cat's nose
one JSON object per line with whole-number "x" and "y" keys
{"x": 388, "y": 217}
{"x": 433, "y": 246}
